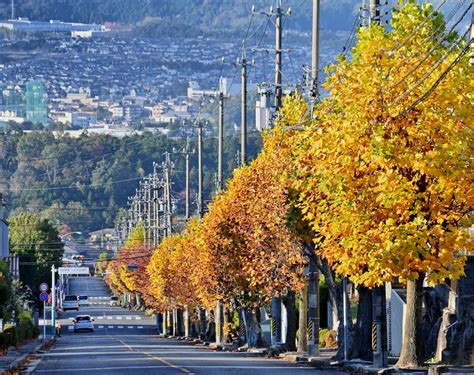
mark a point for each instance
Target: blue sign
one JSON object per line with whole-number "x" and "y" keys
{"x": 43, "y": 296}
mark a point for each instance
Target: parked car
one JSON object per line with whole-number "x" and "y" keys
{"x": 83, "y": 301}
{"x": 83, "y": 323}
{"x": 114, "y": 301}
{"x": 70, "y": 302}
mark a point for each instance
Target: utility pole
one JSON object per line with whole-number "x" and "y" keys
{"x": 379, "y": 312}
{"x": 313, "y": 272}
{"x": 276, "y": 332}
{"x": 243, "y": 113}
{"x": 220, "y": 141}
{"x": 53, "y": 301}
{"x": 168, "y": 203}
{"x": 278, "y": 14}
{"x": 374, "y": 9}
{"x": 186, "y": 155}
{"x": 278, "y": 35}
{"x": 199, "y": 196}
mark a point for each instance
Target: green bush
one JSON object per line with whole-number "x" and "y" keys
{"x": 25, "y": 330}
{"x": 13, "y": 337}
{"x": 323, "y": 333}
{"x": 327, "y": 338}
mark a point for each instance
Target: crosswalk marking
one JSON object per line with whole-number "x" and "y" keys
{"x": 71, "y": 327}
{"x": 128, "y": 318}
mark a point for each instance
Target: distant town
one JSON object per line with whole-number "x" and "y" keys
{"x": 90, "y": 77}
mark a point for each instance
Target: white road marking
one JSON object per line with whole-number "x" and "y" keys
{"x": 120, "y": 327}
{"x": 129, "y": 326}
{"x": 140, "y": 327}
{"x": 109, "y": 317}
{"x": 119, "y": 317}
{"x": 100, "y": 327}
{"x": 110, "y": 326}
{"x": 138, "y": 317}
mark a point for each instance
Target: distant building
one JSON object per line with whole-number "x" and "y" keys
{"x": 233, "y": 88}
{"x": 36, "y": 106}
{"x": 12, "y": 102}
{"x": 53, "y": 26}
{"x": 117, "y": 111}
{"x": 132, "y": 111}
{"x": 7, "y": 116}
{"x": 74, "y": 118}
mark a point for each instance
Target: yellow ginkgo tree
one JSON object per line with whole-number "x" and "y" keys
{"x": 385, "y": 171}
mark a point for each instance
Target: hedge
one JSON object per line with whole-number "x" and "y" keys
{"x": 13, "y": 336}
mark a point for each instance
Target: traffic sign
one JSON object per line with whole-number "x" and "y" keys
{"x": 43, "y": 287}
{"x": 43, "y": 296}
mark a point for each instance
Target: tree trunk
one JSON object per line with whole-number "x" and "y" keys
{"x": 303, "y": 321}
{"x": 165, "y": 323}
{"x": 225, "y": 328}
{"x": 252, "y": 328}
{"x": 362, "y": 333}
{"x": 291, "y": 321}
{"x": 412, "y": 342}
{"x": 335, "y": 296}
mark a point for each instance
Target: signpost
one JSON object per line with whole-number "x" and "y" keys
{"x": 43, "y": 297}
{"x": 73, "y": 270}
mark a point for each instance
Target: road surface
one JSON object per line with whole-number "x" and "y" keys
{"x": 125, "y": 342}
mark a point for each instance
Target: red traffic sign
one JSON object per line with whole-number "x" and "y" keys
{"x": 43, "y": 287}
{"x": 43, "y": 296}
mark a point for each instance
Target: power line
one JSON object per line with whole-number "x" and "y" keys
{"x": 429, "y": 72}
{"x": 433, "y": 48}
{"x": 436, "y": 83}
{"x": 418, "y": 27}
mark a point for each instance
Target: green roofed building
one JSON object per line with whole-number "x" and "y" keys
{"x": 36, "y": 106}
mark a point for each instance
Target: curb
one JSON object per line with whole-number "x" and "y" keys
{"x": 20, "y": 361}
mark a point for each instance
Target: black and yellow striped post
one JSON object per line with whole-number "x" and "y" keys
{"x": 379, "y": 327}
{"x": 276, "y": 321}
{"x": 313, "y": 308}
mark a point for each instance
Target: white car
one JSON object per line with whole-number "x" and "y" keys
{"x": 83, "y": 301}
{"x": 70, "y": 303}
{"x": 114, "y": 301}
{"x": 83, "y": 323}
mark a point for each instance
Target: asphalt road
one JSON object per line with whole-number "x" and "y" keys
{"x": 125, "y": 342}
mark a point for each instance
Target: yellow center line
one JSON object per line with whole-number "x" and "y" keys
{"x": 164, "y": 361}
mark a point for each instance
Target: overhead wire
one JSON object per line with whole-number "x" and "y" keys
{"x": 433, "y": 48}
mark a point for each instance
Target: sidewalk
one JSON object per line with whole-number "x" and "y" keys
{"x": 15, "y": 356}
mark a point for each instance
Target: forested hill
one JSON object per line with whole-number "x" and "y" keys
{"x": 82, "y": 182}
{"x": 182, "y": 17}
